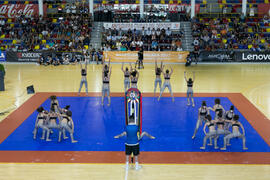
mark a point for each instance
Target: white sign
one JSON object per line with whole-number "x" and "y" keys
{"x": 139, "y": 26}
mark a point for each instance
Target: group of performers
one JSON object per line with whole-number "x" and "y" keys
{"x": 57, "y": 118}
{"x": 225, "y": 123}
{"x": 220, "y": 125}
{"x": 131, "y": 76}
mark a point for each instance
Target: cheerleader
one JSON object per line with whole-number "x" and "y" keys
{"x": 190, "y": 89}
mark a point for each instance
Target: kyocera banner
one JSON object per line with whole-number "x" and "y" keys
{"x": 252, "y": 56}
{"x": 216, "y": 56}
{"x": 12, "y": 10}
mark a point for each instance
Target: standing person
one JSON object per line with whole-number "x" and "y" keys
{"x": 106, "y": 85}
{"x": 127, "y": 79}
{"x": 158, "y": 80}
{"x": 167, "y": 77}
{"x": 140, "y": 59}
{"x": 203, "y": 112}
{"x": 190, "y": 89}
{"x": 211, "y": 133}
{"x": 134, "y": 77}
{"x": 66, "y": 124}
{"x": 83, "y": 79}
{"x": 132, "y": 142}
{"x": 235, "y": 133}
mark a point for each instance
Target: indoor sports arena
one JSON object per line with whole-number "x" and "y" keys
{"x": 135, "y": 89}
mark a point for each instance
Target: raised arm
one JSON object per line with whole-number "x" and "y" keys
{"x": 130, "y": 67}
{"x": 185, "y": 76}
{"x": 171, "y": 71}
{"x": 156, "y": 65}
{"x": 161, "y": 65}
{"x": 122, "y": 67}
{"x": 138, "y": 74}
{"x": 110, "y": 72}
{"x": 193, "y": 76}
{"x": 109, "y": 61}
{"x": 85, "y": 65}
{"x": 81, "y": 65}
{"x": 121, "y": 135}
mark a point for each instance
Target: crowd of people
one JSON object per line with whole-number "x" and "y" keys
{"x": 70, "y": 33}
{"x": 147, "y": 39}
{"x": 65, "y": 58}
{"x": 239, "y": 33}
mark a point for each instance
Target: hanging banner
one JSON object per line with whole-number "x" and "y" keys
{"x": 12, "y": 10}
{"x": 175, "y": 8}
{"x": 139, "y": 26}
{"x": 148, "y": 56}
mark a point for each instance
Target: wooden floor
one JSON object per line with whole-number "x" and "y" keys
{"x": 252, "y": 80}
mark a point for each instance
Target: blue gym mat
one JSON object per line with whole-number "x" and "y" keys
{"x": 172, "y": 123}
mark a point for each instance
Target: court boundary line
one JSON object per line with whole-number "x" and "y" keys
{"x": 257, "y": 119}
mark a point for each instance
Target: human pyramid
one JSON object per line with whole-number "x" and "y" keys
{"x": 224, "y": 120}
{"x": 47, "y": 121}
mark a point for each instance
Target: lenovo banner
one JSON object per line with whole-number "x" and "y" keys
{"x": 252, "y": 56}
{"x": 12, "y": 10}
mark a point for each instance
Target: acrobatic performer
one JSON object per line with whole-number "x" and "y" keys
{"x": 220, "y": 122}
{"x": 235, "y": 133}
{"x": 133, "y": 129}
{"x": 106, "y": 86}
{"x": 203, "y": 112}
{"x": 66, "y": 124}
{"x": 54, "y": 104}
{"x": 134, "y": 77}
{"x": 158, "y": 80}
{"x": 41, "y": 122}
{"x": 217, "y": 108}
{"x": 52, "y": 122}
{"x": 228, "y": 117}
{"x": 127, "y": 79}
{"x": 84, "y": 79}
{"x": 167, "y": 77}
{"x": 211, "y": 133}
{"x": 190, "y": 88}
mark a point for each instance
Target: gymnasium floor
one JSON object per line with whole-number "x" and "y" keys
{"x": 225, "y": 81}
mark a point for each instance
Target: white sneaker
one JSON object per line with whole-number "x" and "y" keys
{"x": 127, "y": 166}
{"x": 137, "y": 167}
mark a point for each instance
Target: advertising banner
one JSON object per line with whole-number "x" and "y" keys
{"x": 34, "y": 56}
{"x": 252, "y": 56}
{"x": 2, "y": 56}
{"x": 149, "y": 56}
{"x": 138, "y": 26}
{"x": 12, "y": 10}
{"x": 216, "y": 56}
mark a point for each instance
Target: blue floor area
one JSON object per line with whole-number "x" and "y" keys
{"x": 172, "y": 123}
